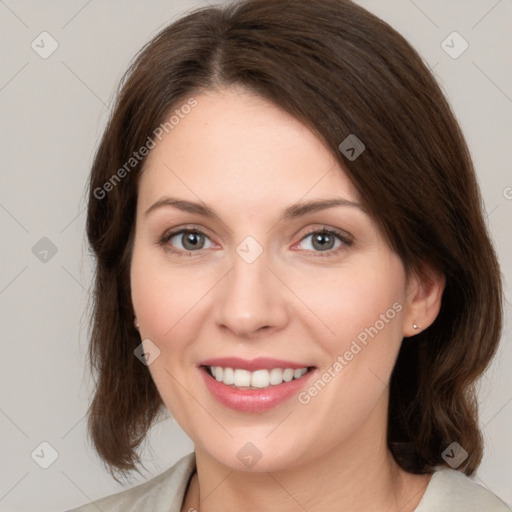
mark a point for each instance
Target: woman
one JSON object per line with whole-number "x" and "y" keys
{"x": 292, "y": 260}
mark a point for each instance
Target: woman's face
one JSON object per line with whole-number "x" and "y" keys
{"x": 241, "y": 274}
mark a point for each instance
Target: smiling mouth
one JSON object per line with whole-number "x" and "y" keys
{"x": 258, "y": 379}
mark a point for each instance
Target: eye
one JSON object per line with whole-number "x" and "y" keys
{"x": 326, "y": 240}
{"x": 185, "y": 240}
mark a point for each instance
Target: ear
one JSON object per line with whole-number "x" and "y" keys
{"x": 423, "y": 302}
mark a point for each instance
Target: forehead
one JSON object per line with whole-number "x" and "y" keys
{"x": 234, "y": 144}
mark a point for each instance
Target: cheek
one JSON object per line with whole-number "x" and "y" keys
{"x": 163, "y": 303}
{"x": 363, "y": 312}
{"x": 367, "y": 320}
{"x": 361, "y": 302}
{"x": 162, "y": 297}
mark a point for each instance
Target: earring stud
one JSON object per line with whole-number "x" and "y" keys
{"x": 136, "y": 324}
{"x": 415, "y": 326}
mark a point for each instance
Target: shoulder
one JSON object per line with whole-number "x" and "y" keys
{"x": 452, "y": 491}
{"x": 162, "y": 493}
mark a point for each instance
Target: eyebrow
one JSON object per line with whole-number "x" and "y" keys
{"x": 294, "y": 211}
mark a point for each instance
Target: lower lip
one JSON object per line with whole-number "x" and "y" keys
{"x": 253, "y": 400}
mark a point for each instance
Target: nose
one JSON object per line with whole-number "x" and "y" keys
{"x": 251, "y": 300}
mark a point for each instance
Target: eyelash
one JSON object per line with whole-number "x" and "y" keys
{"x": 322, "y": 254}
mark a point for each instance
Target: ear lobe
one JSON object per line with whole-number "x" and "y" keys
{"x": 423, "y": 303}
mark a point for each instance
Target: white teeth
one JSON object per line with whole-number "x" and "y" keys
{"x": 218, "y": 373}
{"x": 276, "y": 376}
{"x": 260, "y": 379}
{"x": 297, "y": 374}
{"x": 257, "y": 379}
{"x": 242, "y": 378}
{"x": 288, "y": 375}
{"x": 229, "y": 376}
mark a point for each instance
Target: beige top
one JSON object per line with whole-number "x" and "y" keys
{"x": 448, "y": 491}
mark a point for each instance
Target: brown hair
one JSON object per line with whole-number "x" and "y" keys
{"x": 341, "y": 71}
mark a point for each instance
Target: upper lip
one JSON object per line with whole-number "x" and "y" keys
{"x": 259, "y": 363}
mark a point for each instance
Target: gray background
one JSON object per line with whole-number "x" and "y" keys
{"x": 53, "y": 112}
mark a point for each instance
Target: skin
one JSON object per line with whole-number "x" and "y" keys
{"x": 248, "y": 160}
